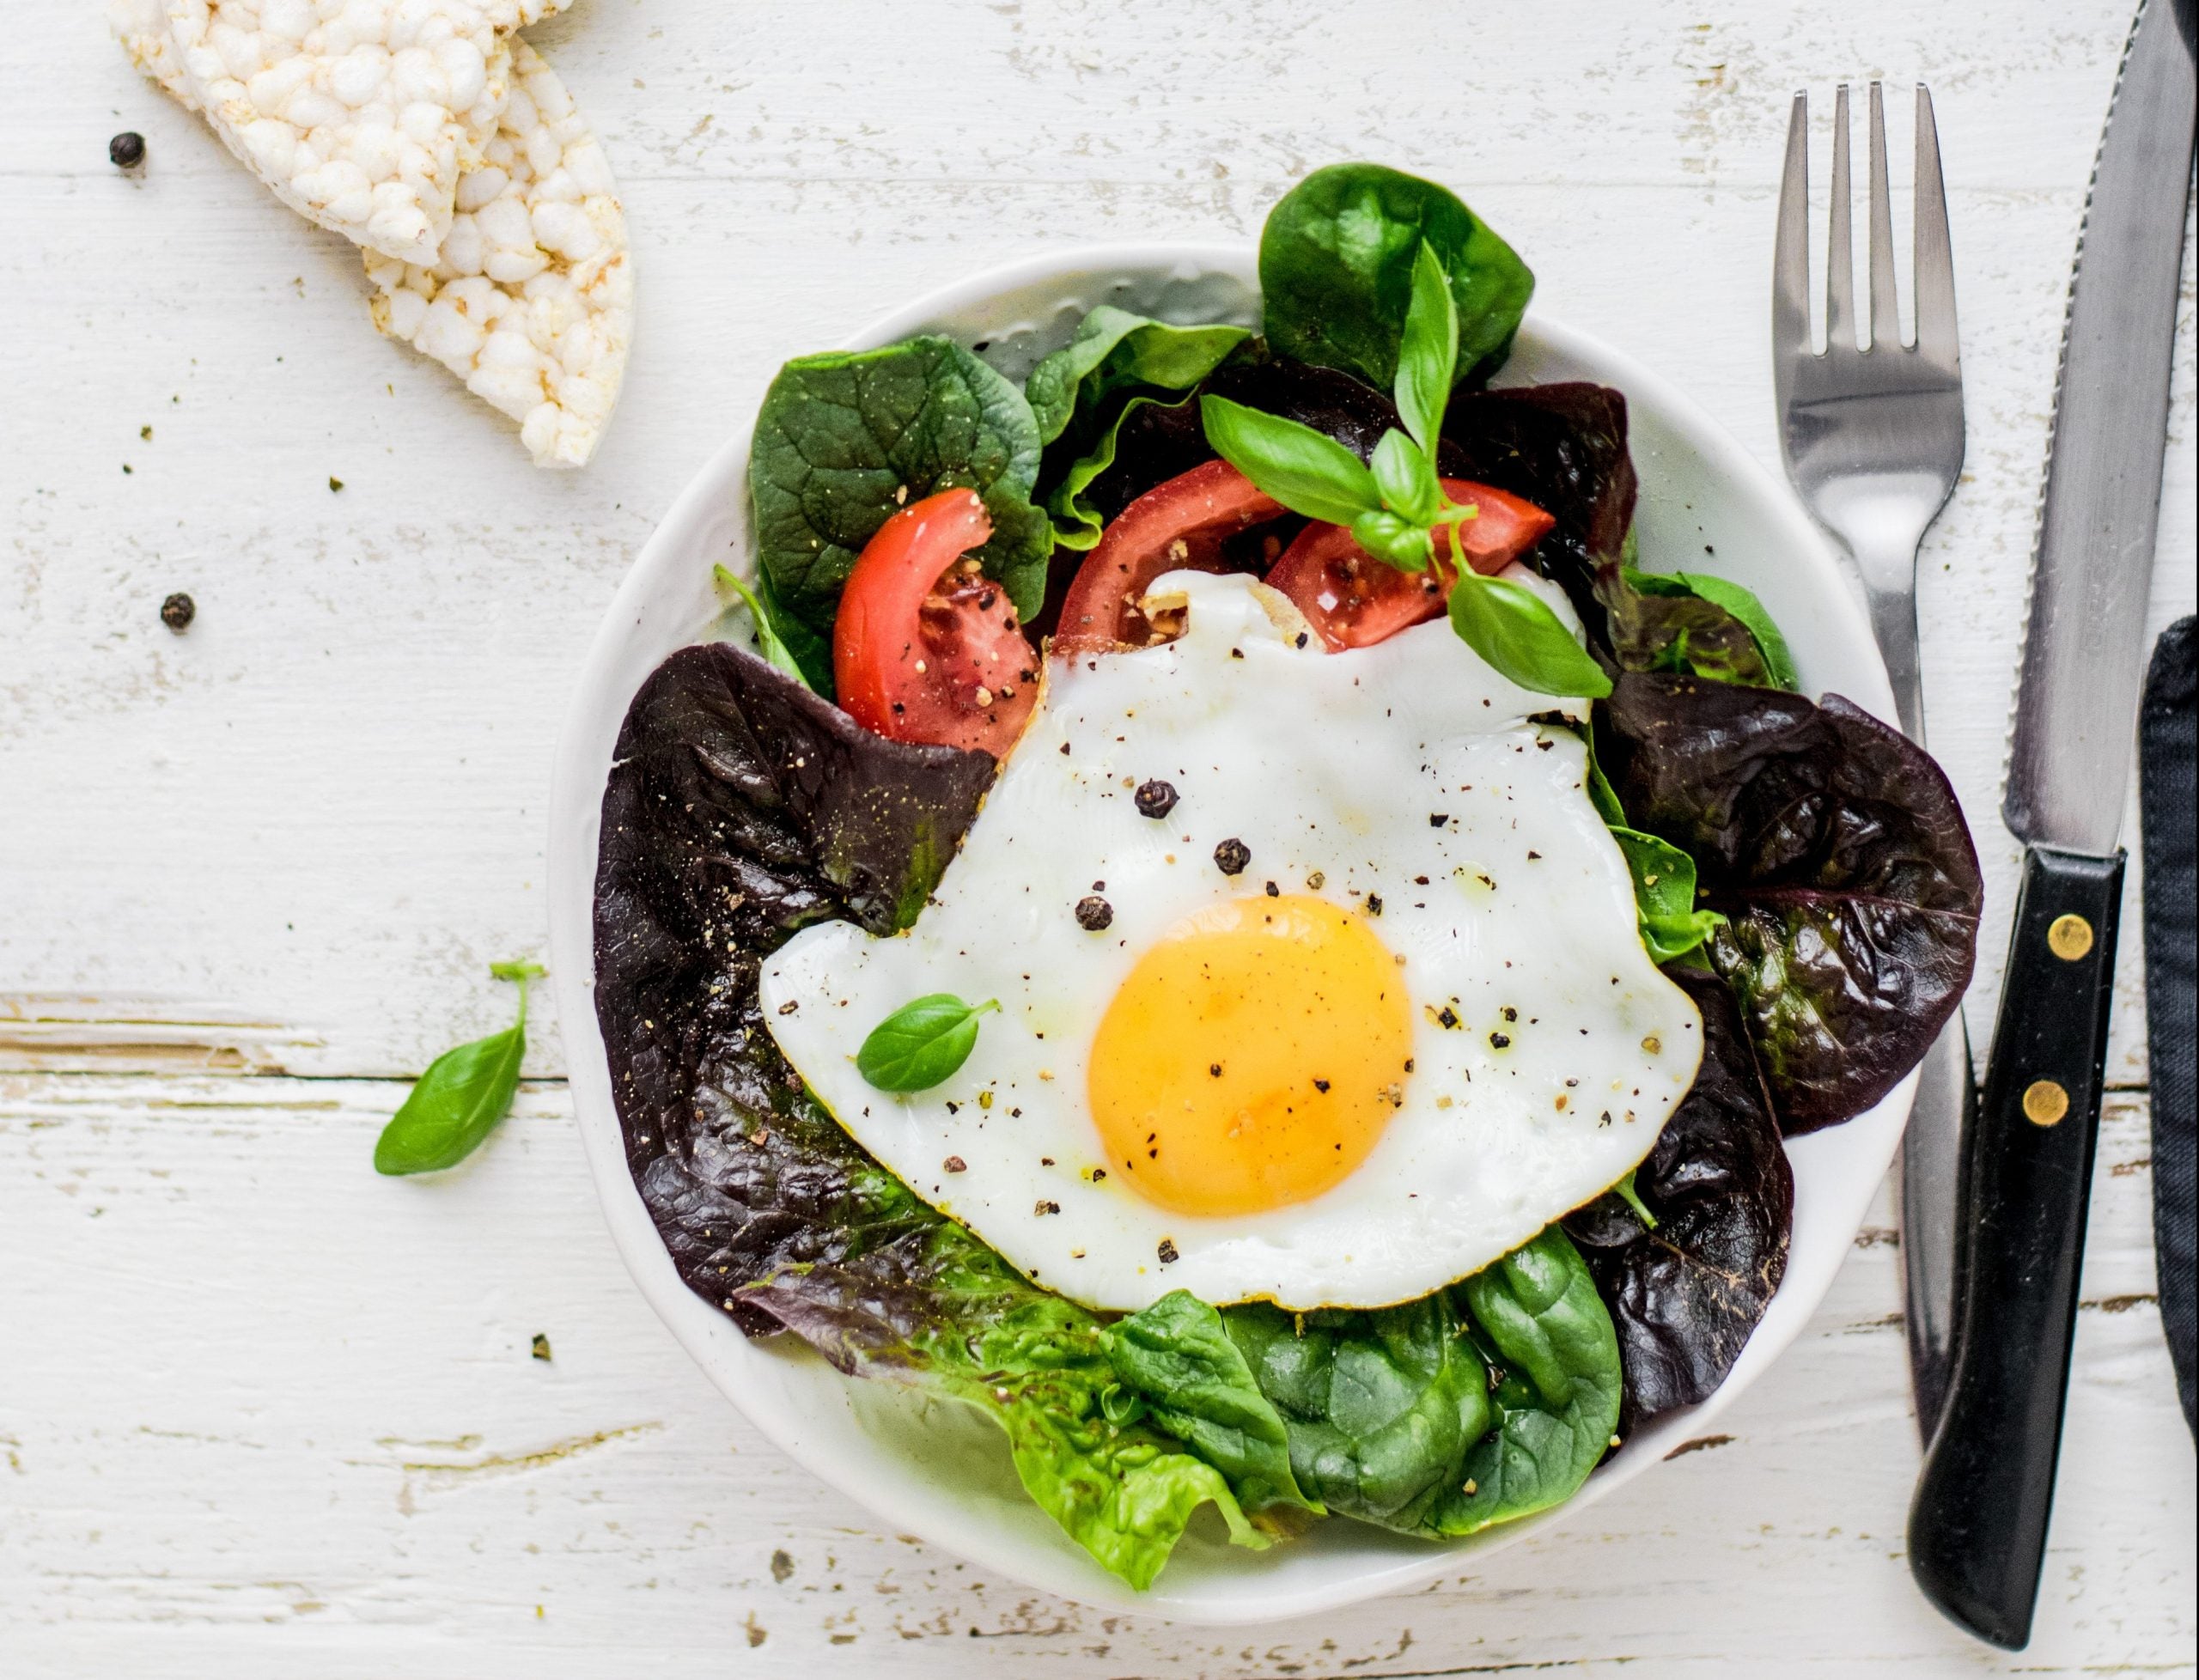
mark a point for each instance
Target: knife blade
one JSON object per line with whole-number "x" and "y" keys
{"x": 1978, "y": 1524}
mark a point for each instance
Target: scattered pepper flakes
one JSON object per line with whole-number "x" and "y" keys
{"x": 1044, "y": 1207}
{"x": 127, "y": 150}
{"x": 1168, "y": 1251}
{"x": 1094, "y": 914}
{"x": 955, "y": 1163}
{"x": 178, "y": 610}
{"x": 1498, "y": 1041}
{"x": 540, "y": 1347}
{"x": 1232, "y": 855}
{"x": 1156, "y": 799}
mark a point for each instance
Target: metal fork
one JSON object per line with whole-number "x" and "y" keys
{"x": 1873, "y": 439}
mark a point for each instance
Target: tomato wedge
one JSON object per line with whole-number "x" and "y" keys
{"x": 926, "y": 648}
{"x": 1354, "y": 600}
{"x": 1178, "y": 526}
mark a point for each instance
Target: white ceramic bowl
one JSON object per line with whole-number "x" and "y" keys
{"x": 942, "y": 1472}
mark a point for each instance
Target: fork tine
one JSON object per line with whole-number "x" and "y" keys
{"x": 1935, "y": 261}
{"x": 1790, "y": 259}
{"x": 1840, "y": 249}
{"x": 1885, "y": 305}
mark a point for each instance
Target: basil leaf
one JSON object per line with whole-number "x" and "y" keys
{"x": 1427, "y": 353}
{"x": 1663, "y": 896}
{"x": 1398, "y": 542}
{"x": 461, "y": 1097}
{"x": 846, "y": 439}
{"x": 1306, "y": 471}
{"x": 921, "y": 1043}
{"x": 768, "y": 643}
{"x": 1177, "y": 1358}
{"x": 1742, "y": 603}
{"x": 1336, "y": 258}
{"x": 1406, "y": 478}
{"x": 1514, "y": 630}
{"x": 1114, "y": 350}
{"x": 1555, "y": 1357}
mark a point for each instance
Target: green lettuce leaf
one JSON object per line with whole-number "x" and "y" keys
{"x": 1335, "y": 272}
{"x": 846, "y": 438}
{"x": 1177, "y": 1357}
{"x": 1079, "y": 396}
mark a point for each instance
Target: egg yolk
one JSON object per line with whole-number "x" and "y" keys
{"x": 1253, "y": 1056}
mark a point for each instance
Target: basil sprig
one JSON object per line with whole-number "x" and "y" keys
{"x": 461, "y": 1096}
{"x": 921, "y": 1043}
{"x": 1395, "y": 505}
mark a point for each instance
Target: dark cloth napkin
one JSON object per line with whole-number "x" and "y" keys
{"x": 2168, "y": 747}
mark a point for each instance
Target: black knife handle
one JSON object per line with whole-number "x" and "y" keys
{"x": 1977, "y": 1526}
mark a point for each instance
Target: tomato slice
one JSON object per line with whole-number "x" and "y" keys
{"x": 926, "y": 648}
{"x": 1178, "y": 526}
{"x": 1354, "y": 600}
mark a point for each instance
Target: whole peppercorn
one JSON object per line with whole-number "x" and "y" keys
{"x": 178, "y": 610}
{"x": 1156, "y": 799}
{"x": 127, "y": 150}
{"x": 1094, "y": 914}
{"x": 1230, "y": 856}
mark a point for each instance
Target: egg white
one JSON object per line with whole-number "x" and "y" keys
{"x": 1332, "y": 767}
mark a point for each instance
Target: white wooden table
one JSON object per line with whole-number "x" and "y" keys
{"x": 262, "y": 1414}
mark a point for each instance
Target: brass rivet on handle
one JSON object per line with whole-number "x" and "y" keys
{"x": 2069, "y": 937}
{"x": 2044, "y": 1102}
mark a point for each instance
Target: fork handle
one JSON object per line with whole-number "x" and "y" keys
{"x": 1890, "y": 586}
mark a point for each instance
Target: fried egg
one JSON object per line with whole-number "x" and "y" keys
{"x": 1318, "y": 975}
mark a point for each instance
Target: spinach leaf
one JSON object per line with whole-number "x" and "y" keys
{"x": 739, "y": 809}
{"x": 922, "y": 1043}
{"x": 1514, "y": 628}
{"x": 1114, "y": 350}
{"x": 1470, "y": 1407}
{"x": 1336, "y": 271}
{"x": 761, "y": 624}
{"x": 845, "y": 439}
{"x": 1382, "y": 1406}
{"x": 1554, "y": 1360}
{"x": 1685, "y": 1295}
{"x": 1177, "y": 1357}
{"x": 457, "y": 1103}
{"x": 1837, "y": 853}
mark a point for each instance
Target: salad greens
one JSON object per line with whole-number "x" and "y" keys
{"x": 1439, "y": 1417}
{"x": 846, "y": 438}
{"x": 922, "y": 1043}
{"x": 1835, "y": 852}
{"x": 1079, "y": 396}
{"x": 1798, "y": 869}
{"x": 1336, "y": 258}
{"x": 457, "y": 1103}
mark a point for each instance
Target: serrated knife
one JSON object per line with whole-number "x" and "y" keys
{"x": 1977, "y": 1526}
